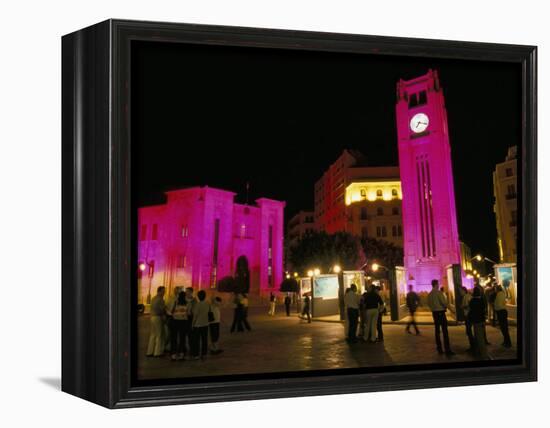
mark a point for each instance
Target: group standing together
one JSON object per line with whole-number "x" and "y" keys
{"x": 184, "y": 325}
{"x": 365, "y": 312}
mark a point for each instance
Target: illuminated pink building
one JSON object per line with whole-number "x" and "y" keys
{"x": 195, "y": 238}
{"x": 429, "y": 214}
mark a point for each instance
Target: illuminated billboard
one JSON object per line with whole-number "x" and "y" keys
{"x": 326, "y": 287}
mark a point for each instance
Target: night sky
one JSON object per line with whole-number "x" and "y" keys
{"x": 224, "y": 116}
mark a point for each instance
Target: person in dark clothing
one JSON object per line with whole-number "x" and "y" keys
{"x": 237, "y": 314}
{"x": 413, "y": 301}
{"x": 244, "y": 317}
{"x": 306, "y": 309}
{"x": 476, "y": 316}
{"x": 502, "y": 315}
{"x": 288, "y": 301}
{"x": 465, "y": 305}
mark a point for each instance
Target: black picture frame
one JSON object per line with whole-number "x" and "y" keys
{"x": 97, "y": 217}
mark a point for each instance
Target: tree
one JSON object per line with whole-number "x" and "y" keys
{"x": 322, "y": 250}
{"x": 240, "y": 283}
{"x": 383, "y": 252}
{"x": 289, "y": 285}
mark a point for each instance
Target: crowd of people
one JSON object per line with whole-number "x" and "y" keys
{"x": 184, "y": 325}
{"x": 188, "y": 326}
{"x": 479, "y": 306}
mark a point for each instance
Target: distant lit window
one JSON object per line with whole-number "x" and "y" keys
{"x": 184, "y": 231}
{"x": 154, "y": 232}
{"x": 243, "y": 230}
{"x": 379, "y": 211}
{"x": 394, "y": 193}
{"x": 143, "y": 232}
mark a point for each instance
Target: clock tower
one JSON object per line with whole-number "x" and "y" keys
{"x": 429, "y": 214}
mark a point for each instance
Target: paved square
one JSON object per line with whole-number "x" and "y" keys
{"x": 281, "y": 343}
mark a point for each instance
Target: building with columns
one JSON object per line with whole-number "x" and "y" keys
{"x": 195, "y": 238}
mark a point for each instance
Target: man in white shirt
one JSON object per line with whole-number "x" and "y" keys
{"x": 437, "y": 302}
{"x": 351, "y": 301}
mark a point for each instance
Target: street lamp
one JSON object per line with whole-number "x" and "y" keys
{"x": 336, "y": 268}
{"x": 316, "y": 271}
{"x": 375, "y": 267}
{"x": 310, "y": 273}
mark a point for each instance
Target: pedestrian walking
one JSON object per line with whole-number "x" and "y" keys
{"x": 381, "y": 313}
{"x": 179, "y": 327}
{"x": 306, "y": 309}
{"x": 351, "y": 302}
{"x": 288, "y": 301}
{"x": 373, "y": 301}
{"x": 465, "y": 305}
{"x": 477, "y": 315}
{"x": 272, "y": 304}
{"x": 200, "y": 326}
{"x": 413, "y": 302}
{"x": 237, "y": 313}
{"x": 214, "y": 325}
{"x": 155, "y": 346}
{"x": 244, "y": 302}
{"x": 502, "y": 315}
{"x": 437, "y": 302}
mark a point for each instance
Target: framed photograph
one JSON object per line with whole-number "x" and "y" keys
{"x": 254, "y": 213}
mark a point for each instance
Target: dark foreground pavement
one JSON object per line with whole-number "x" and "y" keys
{"x": 280, "y": 343}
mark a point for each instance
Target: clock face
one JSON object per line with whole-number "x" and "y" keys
{"x": 419, "y": 122}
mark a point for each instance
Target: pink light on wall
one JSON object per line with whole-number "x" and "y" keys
{"x": 429, "y": 214}
{"x": 196, "y": 237}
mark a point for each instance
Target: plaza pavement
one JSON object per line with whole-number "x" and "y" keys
{"x": 281, "y": 343}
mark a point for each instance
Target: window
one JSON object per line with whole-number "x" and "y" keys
{"x": 379, "y": 193}
{"x": 384, "y": 232}
{"x": 413, "y": 100}
{"x": 422, "y": 98}
{"x": 514, "y": 220}
{"x": 511, "y": 192}
{"x": 379, "y": 211}
{"x": 509, "y": 172}
{"x": 378, "y": 231}
{"x": 154, "y": 232}
{"x": 394, "y": 194}
{"x": 399, "y": 231}
{"x": 184, "y": 231}
{"x": 364, "y": 232}
{"x": 182, "y": 261}
{"x": 363, "y": 193}
{"x": 243, "y": 231}
{"x": 393, "y": 231}
{"x": 395, "y": 211}
{"x": 143, "y": 233}
{"x": 364, "y": 213}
